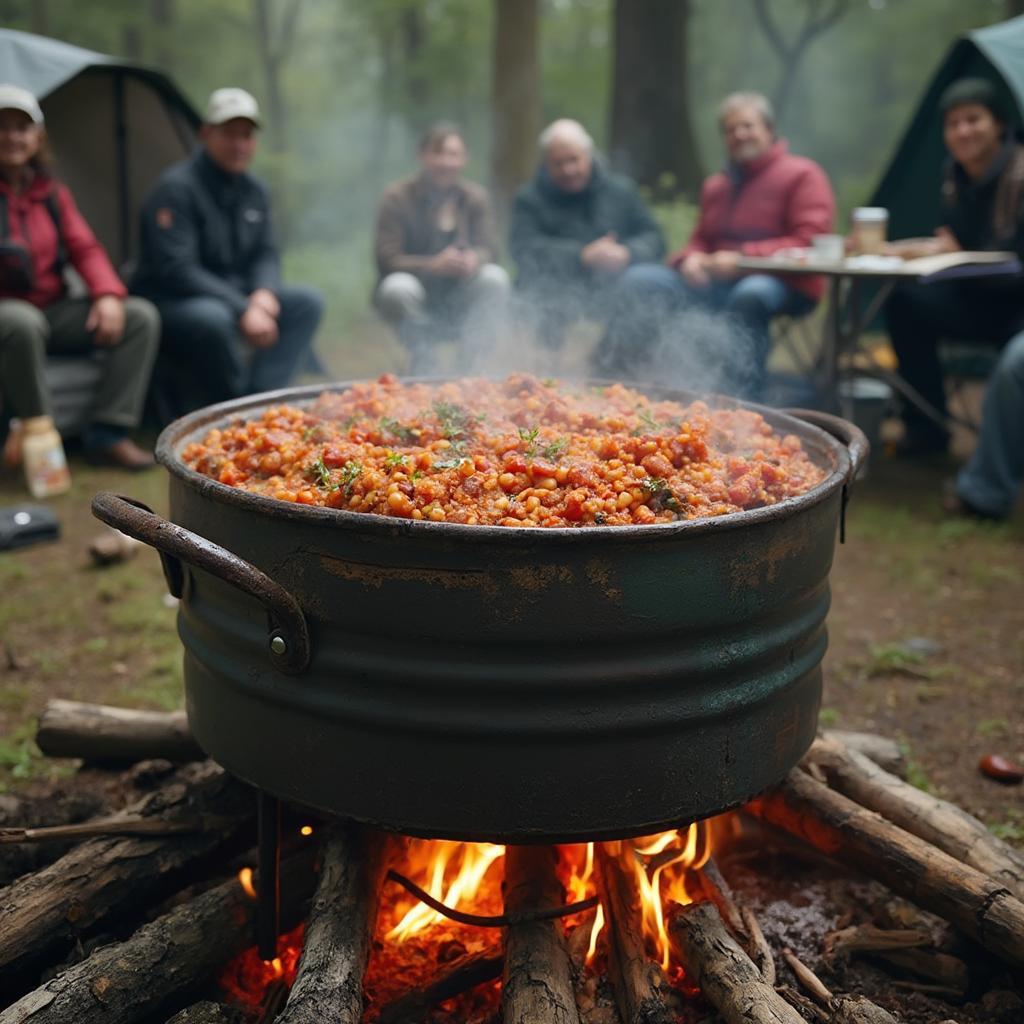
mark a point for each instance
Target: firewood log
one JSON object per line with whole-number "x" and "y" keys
{"x": 835, "y": 825}
{"x": 207, "y": 1012}
{"x": 339, "y": 933}
{"x": 886, "y": 753}
{"x": 44, "y": 912}
{"x": 59, "y": 808}
{"x": 451, "y": 979}
{"x": 132, "y": 981}
{"x": 636, "y": 979}
{"x": 936, "y": 821}
{"x": 537, "y": 987}
{"x": 104, "y": 734}
{"x": 728, "y": 978}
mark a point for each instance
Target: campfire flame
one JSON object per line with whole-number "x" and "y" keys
{"x": 661, "y": 874}
{"x": 452, "y": 873}
{"x": 245, "y": 879}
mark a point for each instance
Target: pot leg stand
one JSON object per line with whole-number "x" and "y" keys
{"x": 268, "y": 914}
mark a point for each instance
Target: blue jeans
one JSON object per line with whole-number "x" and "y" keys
{"x": 991, "y": 480}
{"x": 704, "y": 339}
{"x": 202, "y": 333}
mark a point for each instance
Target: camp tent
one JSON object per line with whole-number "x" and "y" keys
{"x": 910, "y": 185}
{"x": 113, "y": 127}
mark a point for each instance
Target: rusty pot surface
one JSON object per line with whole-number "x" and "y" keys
{"x": 486, "y": 683}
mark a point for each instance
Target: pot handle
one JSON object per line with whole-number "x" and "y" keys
{"x": 288, "y": 632}
{"x": 850, "y": 435}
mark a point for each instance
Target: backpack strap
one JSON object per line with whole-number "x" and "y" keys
{"x": 5, "y": 221}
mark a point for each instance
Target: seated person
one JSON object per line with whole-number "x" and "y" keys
{"x": 42, "y": 231}
{"x": 982, "y": 208}
{"x": 766, "y": 199}
{"x": 208, "y": 259}
{"x": 989, "y": 485}
{"x": 436, "y": 250}
{"x": 575, "y": 229}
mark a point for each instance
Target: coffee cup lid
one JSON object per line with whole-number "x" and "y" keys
{"x": 871, "y": 213}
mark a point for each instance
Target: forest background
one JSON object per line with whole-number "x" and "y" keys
{"x": 348, "y": 85}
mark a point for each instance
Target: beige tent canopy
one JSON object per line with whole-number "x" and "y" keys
{"x": 113, "y": 127}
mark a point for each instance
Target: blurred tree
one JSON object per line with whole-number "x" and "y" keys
{"x": 275, "y": 39}
{"x": 819, "y": 17}
{"x": 162, "y": 17}
{"x": 515, "y": 97}
{"x": 652, "y": 136}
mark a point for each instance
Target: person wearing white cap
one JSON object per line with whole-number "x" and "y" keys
{"x": 42, "y": 231}
{"x": 209, "y": 260}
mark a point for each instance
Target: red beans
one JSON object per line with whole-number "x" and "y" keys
{"x": 521, "y": 452}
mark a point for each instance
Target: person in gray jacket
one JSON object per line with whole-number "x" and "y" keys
{"x": 209, "y": 261}
{"x": 574, "y": 229}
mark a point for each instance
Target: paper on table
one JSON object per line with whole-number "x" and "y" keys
{"x": 926, "y": 265}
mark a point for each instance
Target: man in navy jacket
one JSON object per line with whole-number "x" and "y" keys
{"x": 209, "y": 260}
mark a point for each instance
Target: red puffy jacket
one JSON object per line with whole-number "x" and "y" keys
{"x": 779, "y": 201}
{"x": 31, "y": 225}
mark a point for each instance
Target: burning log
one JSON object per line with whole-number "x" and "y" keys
{"x": 129, "y": 982}
{"x": 537, "y": 985}
{"x": 102, "y": 877}
{"x": 728, "y": 978}
{"x": 936, "y": 821}
{"x": 835, "y": 825}
{"x": 452, "y": 979}
{"x": 635, "y": 977}
{"x": 336, "y": 947}
{"x": 99, "y": 733}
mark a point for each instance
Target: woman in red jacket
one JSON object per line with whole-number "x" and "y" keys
{"x": 41, "y": 230}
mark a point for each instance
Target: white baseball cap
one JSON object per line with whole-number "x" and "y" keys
{"x": 227, "y": 104}
{"x": 13, "y": 97}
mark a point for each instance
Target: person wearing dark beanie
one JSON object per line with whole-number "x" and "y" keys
{"x": 982, "y": 209}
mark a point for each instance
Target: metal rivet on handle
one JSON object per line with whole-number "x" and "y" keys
{"x": 278, "y": 646}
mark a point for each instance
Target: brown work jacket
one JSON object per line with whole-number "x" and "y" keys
{"x": 409, "y": 231}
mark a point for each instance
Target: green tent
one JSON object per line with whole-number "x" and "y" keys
{"x": 910, "y": 186}
{"x": 113, "y": 125}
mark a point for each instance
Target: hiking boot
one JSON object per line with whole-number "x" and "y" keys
{"x": 123, "y": 454}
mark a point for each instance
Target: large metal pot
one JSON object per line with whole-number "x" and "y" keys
{"x": 489, "y": 683}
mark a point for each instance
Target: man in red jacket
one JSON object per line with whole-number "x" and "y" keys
{"x": 766, "y": 199}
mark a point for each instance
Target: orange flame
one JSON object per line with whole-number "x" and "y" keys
{"x": 306, "y": 830}
{"x": 661, "y": 871}
{"x": 450, "y": 872}
{"x": 245, "y": 878}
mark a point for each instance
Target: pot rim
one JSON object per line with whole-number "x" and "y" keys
{"x": 184, "y": 429}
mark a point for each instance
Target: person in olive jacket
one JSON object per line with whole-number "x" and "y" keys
{"x": 209, "y": 261}
{"x": 574, "y": 229}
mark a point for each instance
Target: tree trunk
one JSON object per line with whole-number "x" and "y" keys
{"x": 162, "y": 16}
{"x": 652, "y": 136}
{"x": 515, "y": 98}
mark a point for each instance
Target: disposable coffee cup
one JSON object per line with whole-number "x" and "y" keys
{"x": 870, "y": 229}
{"x": 827, "y": 248}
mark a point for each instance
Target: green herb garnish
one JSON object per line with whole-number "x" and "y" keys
{"x": 555, "y": 449}
{"x": 529, "y": 436}
{"x": 319, "y": 473}
{"x": 396, "y": 429}
{"x": 454, "y": 420}
{"x": 350, "y": 473}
